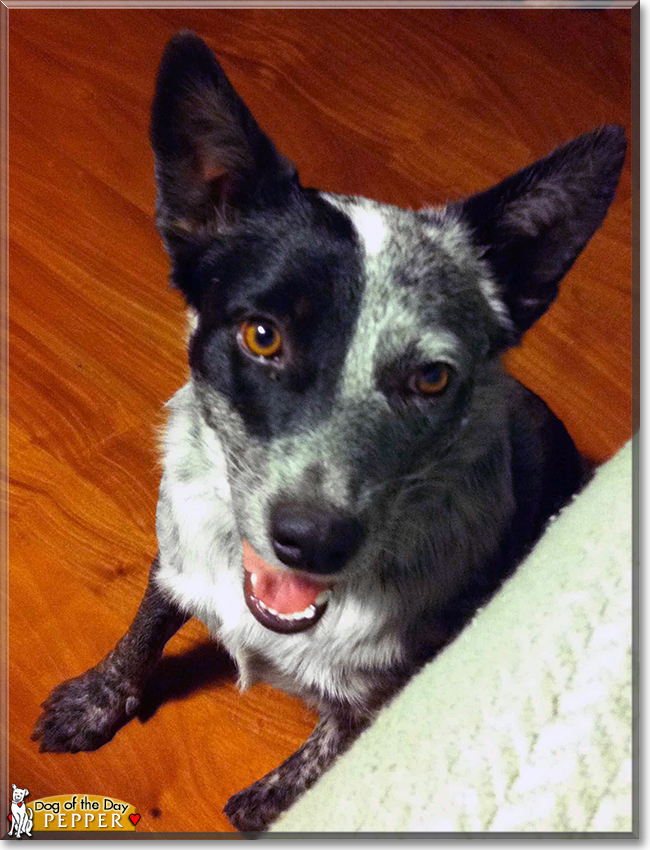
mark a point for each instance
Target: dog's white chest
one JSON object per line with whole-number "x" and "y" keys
{"x": 201, "y": 567}
{"x": 326, "y": 661}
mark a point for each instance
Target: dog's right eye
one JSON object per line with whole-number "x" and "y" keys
{"x": 260, "y": 337}
{"x": 430, "y": 380}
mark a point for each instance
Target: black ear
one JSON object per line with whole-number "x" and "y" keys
{"x": 213, "y": 161}
{"x": 535, "y": 223}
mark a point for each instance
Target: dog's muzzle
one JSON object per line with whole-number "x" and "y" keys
{"x": 280, "y": 600}
{"x": 318, "y": 541}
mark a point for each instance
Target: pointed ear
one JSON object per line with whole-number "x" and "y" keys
{"x": 534, "y": 224}
{"x": 213, "y": 161}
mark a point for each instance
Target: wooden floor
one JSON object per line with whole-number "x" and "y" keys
{"x": 408, "y": 106}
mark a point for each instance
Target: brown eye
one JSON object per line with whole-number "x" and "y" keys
{"x": 430, "y": 380}
{"x": 261, "y": 337}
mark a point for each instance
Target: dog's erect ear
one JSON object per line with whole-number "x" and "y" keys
{"x": 213, "y": 161}
{"x": 535, "y": 223}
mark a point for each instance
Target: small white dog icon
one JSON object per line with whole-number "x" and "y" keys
{"x": 22, "y": 817}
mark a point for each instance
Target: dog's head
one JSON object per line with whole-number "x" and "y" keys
{"x": 342, "y": 347}
{"x": 18, "y": 794}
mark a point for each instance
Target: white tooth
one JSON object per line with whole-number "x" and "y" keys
{"x": 262, "y": 605}
{"x": 323, "y": 597}
{"x": 253, "y": 579}
{"x": 274, "y": 612}
{"x": 309, "y": 612}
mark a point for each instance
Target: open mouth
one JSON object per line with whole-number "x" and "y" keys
{"x": 281, "y": 601}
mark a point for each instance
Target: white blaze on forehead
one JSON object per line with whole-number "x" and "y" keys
{"x": 380, "y": 313}
{"x": 387, "y": 326}
{"x": 371, "y": 227}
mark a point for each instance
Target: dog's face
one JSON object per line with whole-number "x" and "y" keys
{"x": 18, "y": 794}
{"x": 327, "y": 349}
{"x": 347, "y": 352}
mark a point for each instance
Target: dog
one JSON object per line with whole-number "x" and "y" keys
{"x": 349, "y": 471}
{"x": 22, "y": 817}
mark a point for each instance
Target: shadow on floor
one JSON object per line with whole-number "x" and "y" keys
{"x": 178, "y": 676}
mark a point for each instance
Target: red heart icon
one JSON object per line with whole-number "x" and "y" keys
{"x": 9, "y": 817}
{"x": 134, "y": 819}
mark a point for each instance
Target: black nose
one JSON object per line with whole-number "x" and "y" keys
{"x": 318, "y": 539}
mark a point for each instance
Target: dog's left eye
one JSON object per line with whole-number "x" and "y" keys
{"x": 430, "y": 380}
{"x": 261, "y": 337}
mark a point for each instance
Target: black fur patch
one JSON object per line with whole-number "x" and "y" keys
{"x": 300, "y": 268}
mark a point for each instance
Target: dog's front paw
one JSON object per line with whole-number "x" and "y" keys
{"x": 85, "y": 712}
{"x": 255, "y": 808}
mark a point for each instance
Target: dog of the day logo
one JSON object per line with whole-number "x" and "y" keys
{"x": 70, "y": 813}
{"x": 21, "y": 816}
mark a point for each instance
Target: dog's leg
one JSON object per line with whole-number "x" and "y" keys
{"x": 85, "y": 712}
{"x": 256, "y": 807}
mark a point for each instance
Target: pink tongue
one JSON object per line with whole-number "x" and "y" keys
{"x": 284, "y": 593}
